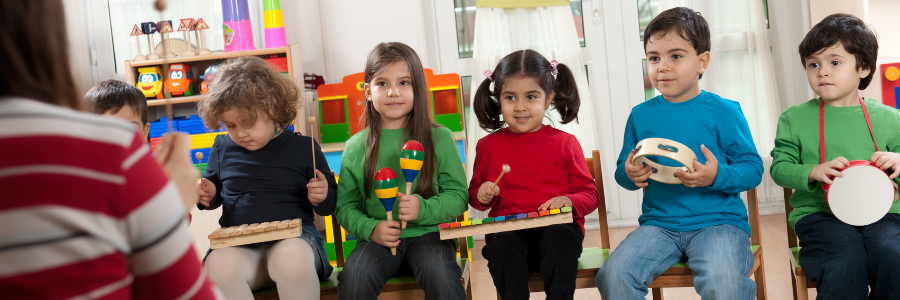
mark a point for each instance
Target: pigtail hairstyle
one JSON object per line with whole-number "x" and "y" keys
{"x": 418, "y": 121}
{"x": 566, "y": 102}
{"x": 526, "y": 63}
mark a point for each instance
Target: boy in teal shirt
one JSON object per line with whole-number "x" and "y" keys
{"x": 839, "y": 57}
{"x": 703, "y": 220}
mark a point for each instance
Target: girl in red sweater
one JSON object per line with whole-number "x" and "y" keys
{"x": 548, "y": 172}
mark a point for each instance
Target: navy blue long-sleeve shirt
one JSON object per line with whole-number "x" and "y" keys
{"x": 278, "y": 191}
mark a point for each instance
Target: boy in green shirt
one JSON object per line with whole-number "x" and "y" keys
{"x": 839, "y": 57}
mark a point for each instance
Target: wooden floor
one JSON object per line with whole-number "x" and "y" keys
{"x": 778, "y": 274}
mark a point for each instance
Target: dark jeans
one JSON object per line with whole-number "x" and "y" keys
{"x": 846, "y": 260}
{"x": 555, "y": 249}
{"x": 432, "y": 261}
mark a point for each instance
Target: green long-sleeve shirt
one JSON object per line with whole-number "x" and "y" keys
{"x": 796, "y": 149}
{"x": 359, "y": 212}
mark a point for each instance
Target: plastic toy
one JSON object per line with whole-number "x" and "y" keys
{"x": 274, "y": 24}
{"x": 136, "y": 31}
{"x": 890, "y": 85}
{"x": 236, "y": 26}
{"x": 180, "y": 80}
{"x": 165, "y": 27}
{"x": 386, "y": 191}
{"x": 207, "y": 77}
{"x": 185, "y": 26}
{"x": 342, "y": 106}
{"x": 199, "y": 27}
{"x": 150, "y": 82}
{"x": 149, "y": 28}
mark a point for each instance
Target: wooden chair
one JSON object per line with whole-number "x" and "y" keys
{"x": 798, "y": 278}
{"x": 680, "y": 275}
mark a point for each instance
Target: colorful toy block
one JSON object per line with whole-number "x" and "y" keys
{"x": 505, "y": 223}
{"x": 465, "y": 223}
{"x": 554, "y": 211}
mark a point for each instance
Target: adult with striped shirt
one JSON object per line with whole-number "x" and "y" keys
{"x": 86, "y": 212}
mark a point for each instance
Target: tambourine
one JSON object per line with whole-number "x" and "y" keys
{"x": 665, "y": 148}
{"x": 863, "y": 196}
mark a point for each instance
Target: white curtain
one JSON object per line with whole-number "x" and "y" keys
{"x": 741, "y": 69}
{"x": 547, "y": 30}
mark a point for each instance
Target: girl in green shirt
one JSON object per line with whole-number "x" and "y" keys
{"x": 397, "y": 111}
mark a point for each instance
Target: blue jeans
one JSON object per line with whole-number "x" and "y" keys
{"x": 846, "y": 260}
{"x": 432, "y": 261}
{"x": 719, "y": 256}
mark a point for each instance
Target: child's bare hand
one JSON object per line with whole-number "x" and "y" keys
{"x": 408, "y": 207}
{"x": 173, "y": 155}
{"x": 885, "y": 160}
{"x": 386, "y": 233}
{"x": 206, "y": 190}
{"x": 317, "y": 189}
{"x": 487, "y": 192}
{"x": 825, "y": 172}
{"x": 637, "y": 174}
{"x": 704, "y": 175}
{"x": 555, "y": 203}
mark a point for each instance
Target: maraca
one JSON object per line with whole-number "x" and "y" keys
{"x": 412, "y": 155}
{"x": 386, "y": 190}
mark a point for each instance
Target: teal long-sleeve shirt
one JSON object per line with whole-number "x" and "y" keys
{"x": 709, "y": 120}
{"x": 796, "y": 149}
{"x": 359, "y": 211}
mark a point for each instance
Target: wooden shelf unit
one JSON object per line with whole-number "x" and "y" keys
{"x": 295, "y": 71}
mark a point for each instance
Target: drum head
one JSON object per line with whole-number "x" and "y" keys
{"x": 862, "y": 197}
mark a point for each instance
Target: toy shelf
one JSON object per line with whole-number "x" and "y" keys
{"x": 176, "y": 100}
{"x": 199, "y": 63}
{"x": 214, "y": 56}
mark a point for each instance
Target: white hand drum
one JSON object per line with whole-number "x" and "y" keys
{"x": 863, "y": 196}
{"x": 666, "y": 148}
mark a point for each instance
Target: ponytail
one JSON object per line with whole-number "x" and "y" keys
{"x": 486, "y": 109}
{"x": 567, "y": 101}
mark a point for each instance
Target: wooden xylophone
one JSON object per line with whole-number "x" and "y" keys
{"x": 505, "y": 223}
{"x": 254, "y": 233}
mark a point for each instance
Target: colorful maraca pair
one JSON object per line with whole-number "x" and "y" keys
{"x": 412, "y": 156}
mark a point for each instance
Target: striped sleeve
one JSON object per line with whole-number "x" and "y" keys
{"x": 163, "y": 261}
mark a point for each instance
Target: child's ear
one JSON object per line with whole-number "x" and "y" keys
{"x": 549, "y": 100}
{"x": 864, "y": 72}
{"x": 704, "y": 62}
{"x": 367, "y": 92}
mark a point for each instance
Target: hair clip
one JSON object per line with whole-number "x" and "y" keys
{"x": 487, "y": 73}
{"x": 553, "y": 64}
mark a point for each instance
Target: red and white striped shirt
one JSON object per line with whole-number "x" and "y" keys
{"x": 86, "y": 212}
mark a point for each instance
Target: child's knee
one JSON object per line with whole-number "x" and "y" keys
{"x": 290, "y": 260}
{"x": 226, "y": 266}
{"x": 614, "y": 274}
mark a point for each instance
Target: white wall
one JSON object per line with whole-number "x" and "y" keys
{"x": 883, "y": 18}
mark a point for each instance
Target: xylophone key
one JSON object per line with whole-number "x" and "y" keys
{"x": 510, "y": 217}
{"x": 465, "y": 223}
{"x": 498, "y": 219}
{"x": 544, "y": 213}
{"x": 249, "y": 229}
{"x": 272, "y": 226}
{"x": 566, "y": 209}
{"x": 283, "y": 224}
{"x": 533, "y": 214}
{"x": 554, "y": 211}
{"x": 227, "y": 232}
{"x": 239, "y": 231}
{"x": 261, "y": 227}
{"x": 454, "y": 224}
{"x": 294, "y": 223}
{"x": 215, "y": 234}
{"x": 521, "y": 216}
{"x": 488, "y": 220}
{"x": 476, "y": 222}
{"x": 444, "y": 225}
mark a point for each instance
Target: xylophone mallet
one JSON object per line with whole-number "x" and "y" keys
{"x": 505, "y": 170}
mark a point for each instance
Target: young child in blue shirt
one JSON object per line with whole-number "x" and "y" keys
{"x": 702, "y": 221}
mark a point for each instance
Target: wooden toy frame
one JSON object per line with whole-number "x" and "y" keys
{"x": 254, "y": 233}
{"x": 522, "y": 221}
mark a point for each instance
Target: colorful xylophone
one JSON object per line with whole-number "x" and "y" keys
{"x": 505, "y": 223}
{"x": 254, "y": 233}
